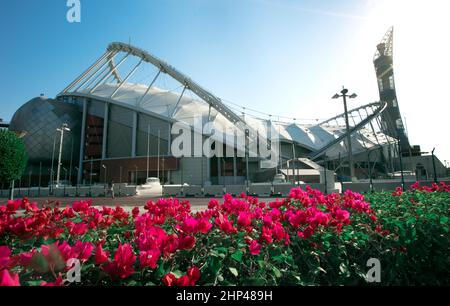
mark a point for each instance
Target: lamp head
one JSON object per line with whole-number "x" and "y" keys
{"x": 353, "y": 96}
{"x": 336, "y": 96}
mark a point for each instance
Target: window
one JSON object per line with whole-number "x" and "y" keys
{"x": 394, "y": 103}
{"x": 380, "y": 84}
{"x": 391, "y": 82}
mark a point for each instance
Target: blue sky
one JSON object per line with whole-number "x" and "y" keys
{"x": 284, "y": 57}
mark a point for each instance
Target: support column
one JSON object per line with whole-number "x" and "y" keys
{"x": 169, "y": 140}
{"x": 218, "y": 170}
{"x": 208, "y": 169}
{"x": 294, "y": 163}
{"x": 134, "y": 134}
{"x": 82, "y": 141}
{"x": 105, "y": 130}
{"x": 235, "y": 168}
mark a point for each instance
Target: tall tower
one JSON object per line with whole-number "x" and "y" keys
{"x": 391, "y": 117}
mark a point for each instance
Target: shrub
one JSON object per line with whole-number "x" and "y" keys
{"x": 306, "y": 239}
{"x": 13, "y": 157}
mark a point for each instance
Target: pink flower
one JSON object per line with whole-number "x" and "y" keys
{"x": 268, "y": 221}
{"x": 306, "y": 233}
{"x": 398, "y": 192}
{"x": 183, "y": 281}
{"x": 79, "y": 229}
{"x": 278, "y": 232}
{"x": 57, "y": 283}
{"x": 101, "y": 256}
{"x": 342, "y": 215}
{"x": 5, "y": 253}
{"x": 169, "y": 280}
{"x": 66, "y": 250}
{"x": 187, "y": 243}
{"x": 13, "y": 206}
{"x": 213, "y": 204}
{"x": 170, "y": 244}
{"x": 9, "y": 279}
{"x": 298, "y": 218}
{"x": 225, "y": 225}
{"x": 194, "y": 275}
{"x": 123, "y": 264}
{"x": 254, "y": 247}
{"x": 149, "y": 258}
{"x": 80, "y": 206}
{"x": 277, "y": 204}
{"x": 244, "y": 219}
{"x": 135, "y": 212}
{"x": 82, "y": 250}
{"x": 204, "y": 226}
{"x": 189, "y": 225}
{"x": 266, "y": 235}
{"x": 321, "y": 218}
{"x": 25, "y": 258}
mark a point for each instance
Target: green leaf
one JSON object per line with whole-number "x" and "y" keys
{"x": 343, "y": 268}
{"x": 320, "y": 269}
{"x": 276, "y": 272}
{"x": 177, "y": 273}
{"x": 34, "y": 283}
{"x": 221, "y": 250}
{"x": 261, "y": 263}
{"x": 234, "y": 271}
{"x": 214, "y": 265}
{"x": 237, "y": 256}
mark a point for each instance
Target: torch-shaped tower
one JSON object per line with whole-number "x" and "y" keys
{"x": 391, "y": 119}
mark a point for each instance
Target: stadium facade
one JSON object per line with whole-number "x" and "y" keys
{"x": 122, "y": 109}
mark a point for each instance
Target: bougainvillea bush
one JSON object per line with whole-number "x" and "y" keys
{"x": 307, "y": 238}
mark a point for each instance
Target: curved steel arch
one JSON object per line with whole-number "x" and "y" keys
{"x": 106, "y": 62}
{"x": 376, "y": 109}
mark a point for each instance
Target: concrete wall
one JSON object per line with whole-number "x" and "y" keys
{"x": 94, "y": 191}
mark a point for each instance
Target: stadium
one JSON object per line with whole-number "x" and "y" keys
{"x": 121, "y": 110}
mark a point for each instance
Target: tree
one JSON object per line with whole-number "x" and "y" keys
{"x": 13, "y": 157}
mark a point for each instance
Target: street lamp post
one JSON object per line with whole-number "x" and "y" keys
{"x": 90, "y": 178}
{"x": 344, "y": 95}
{"x": 40, "y": 176}
{"x": 62, "y": 129}
{"x": 29, "y": 182}
{"x": 247, "y": 174}
{"x": 76, "y": 183}
{"x": 434, "y": 166}
{"x": 65, "y": 181}
{"x": 325, "y": 161}
{"x": 120, "y": 179}
{"x": 105, "y": 179}
{"x": 135, "y": 178}
{"x": 340, "y": 173}
{"x": 370, "y": 170}
{"x": 53, "y": 161}
{"x": 400, "y": 128}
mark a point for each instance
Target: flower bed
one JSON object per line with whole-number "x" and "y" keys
{"x": 306, "y": 239}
